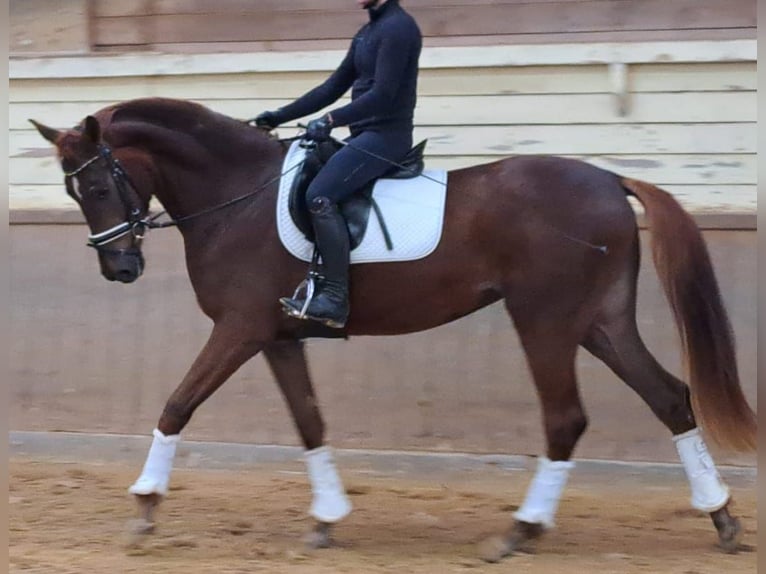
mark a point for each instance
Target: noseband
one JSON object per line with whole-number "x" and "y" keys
{"x": 133, "y": 223}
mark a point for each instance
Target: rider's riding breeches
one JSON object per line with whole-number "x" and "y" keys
{"x": 349, "y": 169}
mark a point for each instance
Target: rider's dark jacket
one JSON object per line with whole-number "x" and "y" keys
{"x": 381, "y": 69}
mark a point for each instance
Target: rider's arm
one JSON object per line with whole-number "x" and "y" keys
{"x": 324, "y": 94}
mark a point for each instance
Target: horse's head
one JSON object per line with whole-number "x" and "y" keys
{"x": 112, "y": 207}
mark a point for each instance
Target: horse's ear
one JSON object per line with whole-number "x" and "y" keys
{"x": 50, "y": 134}
{"x": 93, "y": 129}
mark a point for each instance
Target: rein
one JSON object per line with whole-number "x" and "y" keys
{"x": 150, "y": 223}
{"x": 134, "y": 222}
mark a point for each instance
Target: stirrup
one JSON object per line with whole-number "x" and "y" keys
{"x": 306, "y": 289}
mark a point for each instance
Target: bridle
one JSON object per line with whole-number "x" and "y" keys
{"x": 133, "y": 223}
{"x": 136, "y": 224}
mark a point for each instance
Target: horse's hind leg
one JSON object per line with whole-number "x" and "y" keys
{"x": 330, "y": 504}
{"x": 225, "y": 351}
{"x": 550, "y": 353}
{"x": 615, "y": 339}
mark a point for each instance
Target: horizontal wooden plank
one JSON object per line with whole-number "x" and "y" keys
{"x": 63, "y": 115}
{"x": 738, "y": 172}
{"x": 692, "y": 77}
{"x": 590, "y": 53}
{"x": 334, "y": 44}
{"x": 672, "y": 35}
{"x": 67, "y": 114}
{"x": 715, "y": 34}
{"x": 137, "y": 7}
{"x": 118, "y": 8}
{"x": 142, "y": 65}
{"x": 48, "y": 196}
{"x": 716, "y": 198}
{"x": 697, "y": 197}
{"x": 517, "y": 109}
{"x": 548, "y": 109}
{"x": 722, "y": 77}
{"x": 159, "y": 29}
{"x": 583, "y": 139}
{"x": 39, "y": 197}
{"x": 84, "y": 89}
{"x": 681, "y": 169}
{"x": 34, "y": 171}
{"x": 619, "y": 139}
{"x": 591, "y": 139}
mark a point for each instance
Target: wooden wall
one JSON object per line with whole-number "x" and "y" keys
{"x": 205, "y": 25}
{"x": 689, "y": 123}
{"x": 247, "y": 25}
{"x": 243, "y": 25}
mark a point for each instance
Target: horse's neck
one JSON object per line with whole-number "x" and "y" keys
{"x": 194, "y": 176}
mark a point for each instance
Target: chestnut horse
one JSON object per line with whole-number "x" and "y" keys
{"x": 556, "y": 239}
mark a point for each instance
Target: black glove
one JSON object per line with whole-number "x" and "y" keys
{"x": 318, "y": 130}
{"x": 267, "y": 120}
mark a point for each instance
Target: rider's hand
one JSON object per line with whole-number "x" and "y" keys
{"x": 266, "y": 120}
{"x": 318, "y": 130}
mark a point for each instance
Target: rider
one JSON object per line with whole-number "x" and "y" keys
{"x": 381, "y": 67}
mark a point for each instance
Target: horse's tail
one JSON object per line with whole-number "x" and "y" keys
{"x": 683, "y": 265}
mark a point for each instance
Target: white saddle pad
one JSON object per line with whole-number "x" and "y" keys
{"x": 413, "y": 210}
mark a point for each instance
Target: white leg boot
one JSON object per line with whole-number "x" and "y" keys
{"x": 330, "y": 503}
{"x": 155, "y": 476}
{"x": 709, "y": 493}
{"x": 544, "y": 492}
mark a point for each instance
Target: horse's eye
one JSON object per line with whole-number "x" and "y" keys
{"x": 99, "y": 192}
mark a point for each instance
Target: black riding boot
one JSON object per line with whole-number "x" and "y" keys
{"x": 330, "y": 303}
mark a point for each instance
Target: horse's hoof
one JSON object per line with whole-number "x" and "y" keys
{"x": 516, "y": 540}
{"x": 496, "y": 548}
{"x": 141, "y": 527}
{"x": 319, "y": 537}
{"x": 137, "y": 533}
{"x": 730, "y": 536}
{"x": 147, "y": 504}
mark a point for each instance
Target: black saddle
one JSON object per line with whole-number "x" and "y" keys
{"x": 355, "y": 209}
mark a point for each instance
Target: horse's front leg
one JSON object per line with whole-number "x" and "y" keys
{"x": 330, "y": 504}
{"x": 225, "y": 351}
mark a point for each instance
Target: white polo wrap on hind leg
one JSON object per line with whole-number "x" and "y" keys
{"x": 544, "y": 492}
{"x": 330, "y": 503}
{"x": 155, "y": 476}
{"x": 709, "y": 493}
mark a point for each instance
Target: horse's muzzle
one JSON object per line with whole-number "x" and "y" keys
{"x": 123, "y": 266}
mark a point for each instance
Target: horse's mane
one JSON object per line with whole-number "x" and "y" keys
{"x": 188, "y": 121}
{"x": 176, "y": 115}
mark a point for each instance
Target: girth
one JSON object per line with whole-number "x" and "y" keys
{"x": 356, "y": 208}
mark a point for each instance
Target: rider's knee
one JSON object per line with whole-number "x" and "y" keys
{"x": 320, "y": 204}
